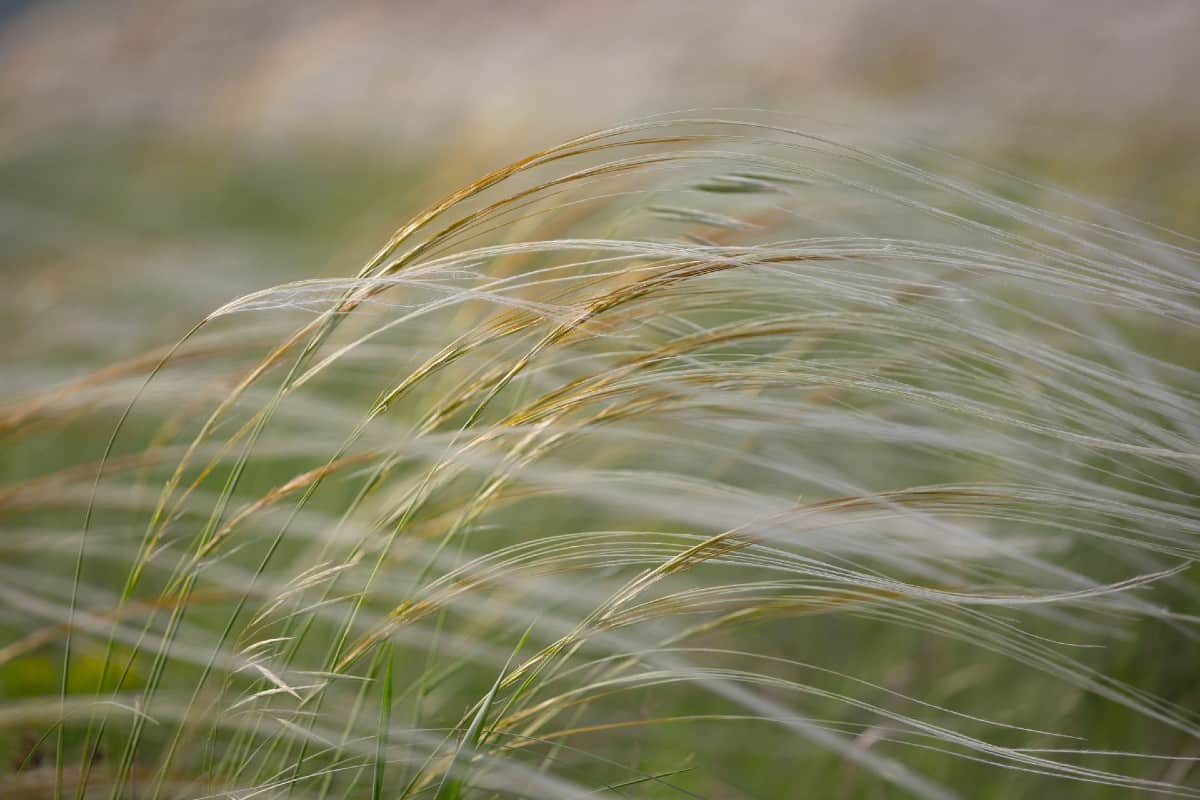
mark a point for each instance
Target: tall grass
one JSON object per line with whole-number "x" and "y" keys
{"x": 687, "y": 458}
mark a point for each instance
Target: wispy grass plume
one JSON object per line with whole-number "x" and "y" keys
{"x": 694, "y": 458}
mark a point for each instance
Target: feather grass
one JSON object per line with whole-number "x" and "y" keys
{"x": 769, "y": 447}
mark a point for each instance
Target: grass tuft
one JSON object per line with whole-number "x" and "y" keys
{"x": 693, "y": 457}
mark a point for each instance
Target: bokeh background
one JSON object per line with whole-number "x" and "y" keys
{"x": 159, "y": 158}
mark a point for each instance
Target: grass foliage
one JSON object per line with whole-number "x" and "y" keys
{"x": 691, "y": 458}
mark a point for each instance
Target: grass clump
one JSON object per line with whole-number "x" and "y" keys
{"x": 688, "y": 458}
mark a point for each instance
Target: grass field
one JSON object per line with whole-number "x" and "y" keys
{"x": 691, "y": 458}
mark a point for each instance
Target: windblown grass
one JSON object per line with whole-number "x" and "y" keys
{"x": 688, "y": 458}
